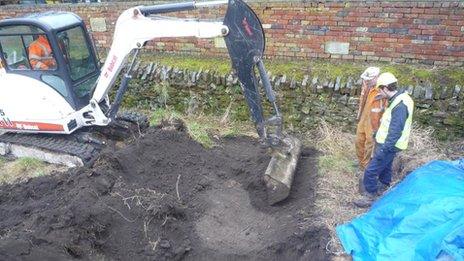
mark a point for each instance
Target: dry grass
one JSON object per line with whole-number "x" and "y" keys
{"x": 422, "y": 149}
{"x": 338, "y": 180}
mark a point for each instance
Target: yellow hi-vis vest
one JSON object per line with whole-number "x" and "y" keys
{"x": 382, "y": 132}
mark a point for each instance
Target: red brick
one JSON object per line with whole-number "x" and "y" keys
{"x": 439, "y": 38}
{"x": 450, "y": 22}
{"x": 375, "y": 9}
{"x": 433, "y": 16}
{"x": 430, "y": 32}
{"x": 411, "y": 15}
{"x": 404, "y": 41}
{"x": 362, "y": 10}
{"x": 363, "y": 19}
{"x": 456, "y": 17}
{"x": 452, "y": 38}
{"x": 425, "y": 5}
{"x": 427, "y": 27}
{"x": 381, "y": 35}
{"x": 433, "y": 11}
{"x": 392, "y": 10}
{"x": 396, "y": 15}
{"x": 445, "y": 11}
{"x": 294, "y": 18}
{"x": 417, "y": 11}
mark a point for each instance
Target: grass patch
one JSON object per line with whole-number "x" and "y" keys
{"x": 161, "y": 114}
{"x": 2, "y": 162}
{"x": 22, "y": 169}
{"x": 203, "y": 129}
{"x": 199, "y": 133}
{"x": 28, "y": 165}
{"x": 407, "y": 74}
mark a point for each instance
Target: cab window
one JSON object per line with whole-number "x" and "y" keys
{"x": 14, "y": 53}
{"x": 76, "y": 53}
{"x": 79, "y": 59}
{"x": 26, "y": 48}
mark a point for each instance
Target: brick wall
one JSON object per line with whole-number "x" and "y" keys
{"x": 429, "y": 32}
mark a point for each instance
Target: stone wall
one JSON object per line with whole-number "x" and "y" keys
{"x": 420, "y": 31}
{"x": 303, "y": 103}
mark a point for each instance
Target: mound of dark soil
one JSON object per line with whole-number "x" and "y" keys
{"x": 164, "y": 197}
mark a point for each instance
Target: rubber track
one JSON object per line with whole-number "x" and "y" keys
{"x": 68, "y": 144}
{"x": 54, "y": 143}
{"x": 135, "y": 118}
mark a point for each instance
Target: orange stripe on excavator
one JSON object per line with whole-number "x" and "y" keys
{"x": 33, "y": 126}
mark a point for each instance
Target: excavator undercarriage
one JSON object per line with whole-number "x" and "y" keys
{"x": 80, "y": 148}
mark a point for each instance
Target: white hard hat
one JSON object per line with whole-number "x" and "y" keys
{"x": 370, "y": 73}
{"x": 386, "y": 79}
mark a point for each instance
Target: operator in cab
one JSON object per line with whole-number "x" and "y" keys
{"x": 40, "y": 54}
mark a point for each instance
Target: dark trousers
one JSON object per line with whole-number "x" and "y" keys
{"x": 379, "y": 169}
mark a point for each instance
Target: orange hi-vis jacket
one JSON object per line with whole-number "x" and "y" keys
{"x": 371, "y": 107}
{"x": 40, "y": 54}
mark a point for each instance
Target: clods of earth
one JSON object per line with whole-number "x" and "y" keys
{"x": 163, "y": 197}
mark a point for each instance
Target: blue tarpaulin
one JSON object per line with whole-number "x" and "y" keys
{"x": 422, "y": 218}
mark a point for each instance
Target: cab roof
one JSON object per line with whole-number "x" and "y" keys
{"x": 48, "y": 21}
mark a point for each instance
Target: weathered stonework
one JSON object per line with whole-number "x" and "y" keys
{"x": 303, "y": 103}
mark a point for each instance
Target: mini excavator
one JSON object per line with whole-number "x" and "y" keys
{"x": 51, "y": 113}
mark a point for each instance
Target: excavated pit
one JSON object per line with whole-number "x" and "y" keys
{"x": 164, "y": 197}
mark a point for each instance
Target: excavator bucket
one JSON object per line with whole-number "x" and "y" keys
{"x": 281, "y": 169}
{"x": 245, "y": 42}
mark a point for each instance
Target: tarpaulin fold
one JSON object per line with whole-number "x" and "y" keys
{"x": 422, "y": 218}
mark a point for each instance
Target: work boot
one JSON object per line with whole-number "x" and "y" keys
{"x": 366, "y": 200}
{"x": 382, "y": 188}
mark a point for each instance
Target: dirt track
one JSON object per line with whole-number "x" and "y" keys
{"x": 127, "y": 207}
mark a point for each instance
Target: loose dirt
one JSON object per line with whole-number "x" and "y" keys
{"x": 164, "y": 197}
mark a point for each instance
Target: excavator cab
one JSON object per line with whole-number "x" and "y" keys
{"x": 54, "y": 48}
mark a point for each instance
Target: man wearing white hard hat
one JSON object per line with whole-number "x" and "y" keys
{"x": 372, "y": 103}
{"x": 391, "y": 137}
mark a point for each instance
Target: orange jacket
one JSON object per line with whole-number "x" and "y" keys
{"x": 40, "y": 54}
{"x": 372, "y": 104}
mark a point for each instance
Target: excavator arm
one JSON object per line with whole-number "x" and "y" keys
{"x": 134, "y": 29}
{"x": 242, "y": 33}
{"x": 244, "y": 37}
